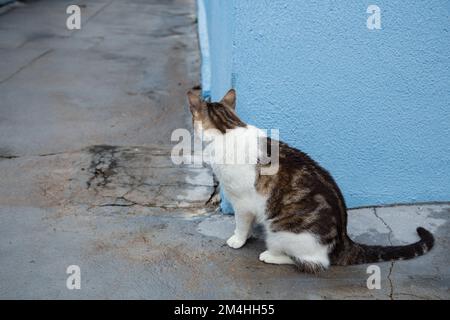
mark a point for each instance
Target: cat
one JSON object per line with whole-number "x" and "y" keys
{"x": 301, "y": 208}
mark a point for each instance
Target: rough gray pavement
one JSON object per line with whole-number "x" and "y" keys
{"x": 86, "y": 177}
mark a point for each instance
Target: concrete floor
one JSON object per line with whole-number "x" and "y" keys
{"x": 86, "y": 177}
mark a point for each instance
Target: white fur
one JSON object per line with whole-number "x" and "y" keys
{"x": 304, "y": 246}
{"x": 270, "y": 257}
{"x": 238, "y": 182}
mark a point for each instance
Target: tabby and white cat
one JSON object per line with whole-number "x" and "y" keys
{"x": 301, "y": 207}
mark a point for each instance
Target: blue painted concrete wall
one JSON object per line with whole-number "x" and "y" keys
{"x": 372, "y": 106}
{"x": 219, "y": 23}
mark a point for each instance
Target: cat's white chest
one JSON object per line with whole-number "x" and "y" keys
{"x": 238, "y": 180}
{"x": 235, "y": 160}
{"x": 238, "y": 183}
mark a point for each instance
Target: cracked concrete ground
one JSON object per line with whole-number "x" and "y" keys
{"x": 86, "y": 177}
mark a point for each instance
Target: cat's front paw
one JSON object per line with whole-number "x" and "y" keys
{"x": 236, "y": 242}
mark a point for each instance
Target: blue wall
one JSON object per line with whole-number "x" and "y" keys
{"x": 219, "y": 25}
{"x": 372, "y": 106}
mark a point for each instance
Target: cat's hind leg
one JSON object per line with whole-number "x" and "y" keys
{"x": 275, "y": 258}
{"x": 303, "y": 249}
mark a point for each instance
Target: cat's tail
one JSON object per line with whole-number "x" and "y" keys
{"x": 360, "y": 253}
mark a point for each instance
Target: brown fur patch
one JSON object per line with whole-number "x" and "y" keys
{"x": 299, "y": 200}
{"x": 216, "y": 115}
{"x": 304, "y": 197}
{"x": 223, "y": 117}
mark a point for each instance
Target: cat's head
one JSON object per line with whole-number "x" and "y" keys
{"x": 214, "y": 116}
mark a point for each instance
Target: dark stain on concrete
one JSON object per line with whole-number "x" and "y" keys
{"x": 6, "y": 153}
{"x": 103, "y": 165}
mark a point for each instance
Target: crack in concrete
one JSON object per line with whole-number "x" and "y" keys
{"x": 8, "y": 157}
{"x": 97, "y": 12}
{"x": 386, "y": 225}
{"x": 102, "y": 166}
{"x": 391, "y": 283}
{"x": 16, "y": 156}
{"x": 127, "y": 176}
{"x": 25, "y": 66}
{"x": 143, "y": 205}
{"x": 391, "y": 268}
{"x": 116, "y": 205}
{"x": 131, "y": 203}
{"x": 108, "y": 169}
{"x": 417, "y": 296}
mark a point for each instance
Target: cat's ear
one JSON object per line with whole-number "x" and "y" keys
{"x": 230, "y": 99}
{"x": 195, "y": 102}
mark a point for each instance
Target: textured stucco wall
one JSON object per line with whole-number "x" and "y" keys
{"x": 372, "y": 106}
{"x": 219, "y": 19}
